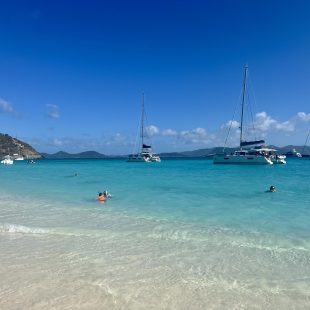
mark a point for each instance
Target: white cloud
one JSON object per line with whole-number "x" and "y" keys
{"x": 264, "y": 126}
{"x": 52, "y": 111}
{"x": 303, "y": 116}
{"x": 263, "y": 123}
{"x": 231, "y": 124}
{"x": 169, "y": 133}
{"x": 6, "y": 106}
{"x": 118, "y": 138}
{"x": 197, "y": 135}
{"x": 152, "y": 130}
{"x": 57, "y": 142}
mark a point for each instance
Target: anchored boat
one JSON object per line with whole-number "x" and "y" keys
{"x": 249, "y": 152}
{"x": 146, "y": 154}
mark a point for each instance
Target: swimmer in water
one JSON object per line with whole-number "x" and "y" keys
{"x": 106, "y": 194}
{"x": 101, "y": 197}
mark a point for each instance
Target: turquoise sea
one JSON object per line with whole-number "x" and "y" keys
{"x": 180, "y": 234}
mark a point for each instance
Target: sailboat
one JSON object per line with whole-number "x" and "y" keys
{"x": 146, "y": 154}
{"x": 259, "y": 154}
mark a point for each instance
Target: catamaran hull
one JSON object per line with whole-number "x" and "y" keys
{"x": 242, "y": 160}
{"x": 140, "y": 159}
{"x": 155, "y": 159}
{"x": 280, "y": 160}
{"x": 137, "y": 159}
{"x": 145, "y": 156}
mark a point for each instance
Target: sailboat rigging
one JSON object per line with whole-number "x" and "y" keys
{"x": 259, "y": 154}
{"x": 146, "y": 154}
{"x": 303, "y": 149}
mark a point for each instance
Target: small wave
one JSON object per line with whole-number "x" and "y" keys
{"x": 224, "y": 237}
{"x": 12, "y": 228}
{"x": 20, "y": 229}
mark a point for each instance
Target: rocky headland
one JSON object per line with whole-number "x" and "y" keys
{"x": 16, "y": 148}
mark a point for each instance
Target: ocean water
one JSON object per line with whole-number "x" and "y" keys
{"x": 180, "y": 234}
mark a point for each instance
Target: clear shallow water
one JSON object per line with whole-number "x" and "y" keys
{"x": 182, "y": 234}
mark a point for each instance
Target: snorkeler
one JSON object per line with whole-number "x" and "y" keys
{"x": 272, "y": 189}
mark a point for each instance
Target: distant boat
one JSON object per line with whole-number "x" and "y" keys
{"x": 18, "y": 157}
{"x": 7, "y": 160}
{"x": 293, "y": 153}
{"x": 146, "y": 154}
{"x": 259, "y": 155}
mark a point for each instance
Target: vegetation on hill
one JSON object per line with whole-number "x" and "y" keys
{"x": 14, "y": 147}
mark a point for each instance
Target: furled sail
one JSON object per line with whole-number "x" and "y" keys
{"x": 248, "y": 143}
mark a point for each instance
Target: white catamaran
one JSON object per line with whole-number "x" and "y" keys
{"x": 259, "y": 154}
{"x": 146, "y": 154}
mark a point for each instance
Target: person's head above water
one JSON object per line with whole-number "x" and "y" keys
{"x": 101, "y": 197}
{"x": 272, "y": 188}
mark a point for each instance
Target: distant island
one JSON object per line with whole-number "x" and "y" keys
{"x": 200, "y": 153}
{"x": 65, "y": 155}
{"x": 13, "y": 146}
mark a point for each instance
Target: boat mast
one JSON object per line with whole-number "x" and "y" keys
{"x": 142, "y": 121}
{"x": 243, "y": 100}
{"x": 303, "y": 149}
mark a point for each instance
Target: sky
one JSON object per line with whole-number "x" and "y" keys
{"x": 72, "y": 72}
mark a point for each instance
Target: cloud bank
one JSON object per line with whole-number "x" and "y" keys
{"x": 303, "y": 116}
{"x": 168, "y": 139}
{"x": 263, "y": 125}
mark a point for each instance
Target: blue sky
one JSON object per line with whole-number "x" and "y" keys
{"x": 72, "y": 72}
